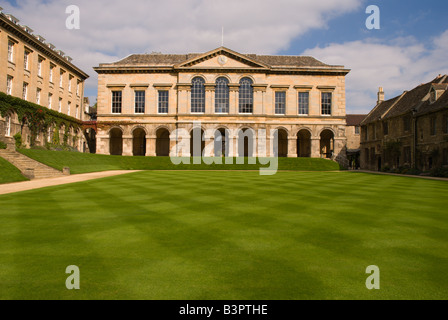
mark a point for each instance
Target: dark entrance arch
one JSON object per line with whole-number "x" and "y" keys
{"x": 245, "y": 142}
{"x": 116, "y": 142}
{"x": 162, "y": 143}
{"x": 304, "y": 143}
{"x": 281, "y": 149}
{"x": 196, "y": 152}
{"x": 221, "y": 143}
{"x": 326, "y": 143}
{"x": 139, "y": 142}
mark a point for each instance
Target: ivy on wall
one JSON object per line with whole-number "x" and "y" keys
{"x": 36, "y": 117}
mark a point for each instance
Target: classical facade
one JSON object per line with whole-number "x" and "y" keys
{"x": 34, "y": 70}
{"x": 228, "y": 97}
{"x": 410, "y": 130}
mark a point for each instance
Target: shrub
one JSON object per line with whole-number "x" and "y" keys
{"x": 439, "y": 172}
{"x": 2, "y": 145}
{"x": 18, "y": 139}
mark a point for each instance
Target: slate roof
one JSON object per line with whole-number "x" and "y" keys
{"x": 415, "y": 99}
{"x": 169, "y": 60}
{"x": 354, "y": 119}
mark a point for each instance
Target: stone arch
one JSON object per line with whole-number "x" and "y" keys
{"x": 222, "y": 141}
{"x": 138, "y": 141}
{"x": 162, "y": 142}
{"x": 280, "y": 146}
{"x": 116, "y": 141}
{"x": 327, "y": 143}
{"x": 197, "y": 149}
{"x": 304, "y": 143}
{"x": 246, "y": 141}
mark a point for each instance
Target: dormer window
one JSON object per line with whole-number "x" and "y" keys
{"x": 433, "y": 95}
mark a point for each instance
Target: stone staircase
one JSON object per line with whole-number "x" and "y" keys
{"x": 30, "y": 168}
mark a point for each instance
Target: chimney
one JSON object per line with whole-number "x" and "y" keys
{"x": 380, "y": 95}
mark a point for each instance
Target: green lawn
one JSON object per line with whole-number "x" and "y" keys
{"x": 9, "y": 173}
{"x": 85, "y": 162}
{"x": 227, "y": 235}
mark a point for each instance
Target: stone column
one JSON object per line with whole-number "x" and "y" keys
{"x": 233, "y": 98}
{"x": 127, "y": 145}
{"x": 209, "y": 93}
{"x": 315, "y": 147}
{"x": 292, "y": 146}
{"x": 151, "y": 145}
{"x": 102, "y": 144}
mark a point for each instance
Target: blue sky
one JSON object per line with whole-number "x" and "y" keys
{"x": 409, "y": 48}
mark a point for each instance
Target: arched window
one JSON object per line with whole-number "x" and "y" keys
{"x": 222, "y": 95}
{"x": 8, "y": 126}
{"x": 197, "y": 95}
{"x": 246, "y": 96}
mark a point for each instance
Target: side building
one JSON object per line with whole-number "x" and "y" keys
{"x": 408, "y": 131}
{"x": 35, "y": 71}
{"x": 143, "y": 98}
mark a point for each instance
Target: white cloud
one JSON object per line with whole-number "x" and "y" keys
{"x": 110, "y": 30}
{"x": 398, "y": 65}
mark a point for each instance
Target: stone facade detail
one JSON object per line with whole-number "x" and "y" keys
{"x": 150, "y": 133}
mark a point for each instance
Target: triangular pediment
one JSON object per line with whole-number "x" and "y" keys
{"x": 222, "y": 58}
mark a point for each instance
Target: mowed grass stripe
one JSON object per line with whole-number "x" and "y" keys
{"x": 227, "y": 235}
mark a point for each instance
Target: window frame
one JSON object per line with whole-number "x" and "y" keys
{"x": 116, "y": 101}
{"x": 307, "y": 93}
{"x": 322, "y": 102}
{"x": 222, "y": 95}
{"x": 9, "y": 84}
{"x": 246, "y": 96}
{"x": 139, "y": 101}
{"x": 25, "y": 91}
{"x": 280, "y": 102}
{"x": 197, "y": 95}
{"x": 11, "y": 50}
{"x": 161, "y": 101}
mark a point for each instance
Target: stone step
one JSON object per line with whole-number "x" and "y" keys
{"x": 23, "y": 163}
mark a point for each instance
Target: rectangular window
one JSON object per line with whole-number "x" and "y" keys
{"x": 433, "y": 126}
{"x": 356, "y": 129}
{"x": 70, "y": 78}
{"x": 280, "y": 102}
{"x": 407, "y": 123}
{"x": 77, "y": 88}
{"x": 366, "y": 133}
{"x": 69, "y": 105}
{"x": 25, "y": 91}
{"x": 26, "y": 63}
{"x": 50, "y": 96}
{"x": 61, "y": 75}
{"x": 38, "y": 90}
{"x": 385, "y": 128}
{"x": 163, "y": 101}
{"x": 304, "y": 101}
{"x": 9, "y": 85}
{"x": 51, "y": 72}
{"x": 116, "y": 101}
{"x": 60, "y": 105}
{"x": 39, "y": 67}
{"x": 10, "y": 51}
{"x": 326, "y": 103}
{"x": 77, "y": 112}
{"x": 139, "y": 101}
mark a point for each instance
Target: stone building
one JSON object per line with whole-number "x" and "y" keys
{"x": 35, "y": 71}
{"x": 409, "y": 130}
{"x": 144, "y": 98}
